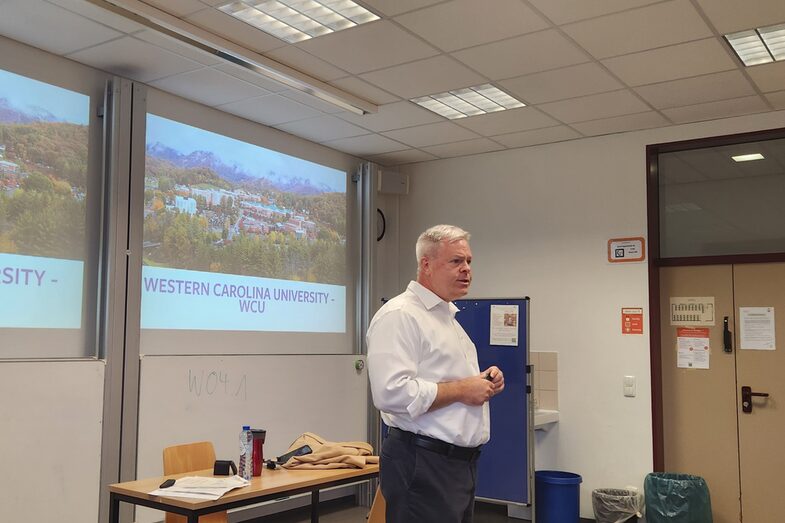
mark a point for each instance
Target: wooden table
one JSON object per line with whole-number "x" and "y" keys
{"x": 272, "y": 484}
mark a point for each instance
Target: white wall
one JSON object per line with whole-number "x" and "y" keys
{"x": 540, "y": 218}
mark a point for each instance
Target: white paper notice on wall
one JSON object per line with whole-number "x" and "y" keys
{"x": 692, "y": 311}
{"x": 504, "y": 325}
{"x": 756, "y": 331}
{"x": 692, "y": 346}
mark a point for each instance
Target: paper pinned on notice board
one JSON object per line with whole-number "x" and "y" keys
{"x": 504, "y": 325}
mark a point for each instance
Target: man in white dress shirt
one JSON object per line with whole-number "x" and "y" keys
{"x": 427, "y": 383}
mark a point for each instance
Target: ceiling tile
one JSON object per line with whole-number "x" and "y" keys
{"x": 403, "y": 157}
{"x": 509, "y": 121}
{"x": 513, "y": 57}
{"x": 669, "y": 63}
{"x": 464, "y": 148}
{"x": 368, "y": 47}
{"x": 768, "y": 77}
{"x": 312, "y": 101}
{"x": 639, "y": 29}
{"x": 558, "y": 84}
{"x": 245, "y": 35}
{"x": 362, "y": 89}
{"x": 431, "y": 134}
{"x": 322, "y": 129}
{"x": 249, "y": 76}
{"x": 18, "y": 17}
{"x": 538, "y": 136}
{"x": 629, "y": 122}
{"x": 689, "y": 91}
{"x": 396, "y": 7}
{"x": 366, "y": 145}
{"x": 729, "y": 16}
{"x": 566, "y": 11}
{"x": 176, "y": 46}
{"x": 394, "y": 116}
{"x": 777, "y": 99}
{"x": 98, "y": 14}
{"x": 178, "y": 8}
{"x": 429, "y": 76}
{"x": 604, "y": 105}
{"x": 270, "y": 110}
{"x": 209, "y": 86}
{"x": 135, "y": 59}
{"x": 306, "y": 63}
{"x": 716, "y": 110}
{"x": 460, "y": 24}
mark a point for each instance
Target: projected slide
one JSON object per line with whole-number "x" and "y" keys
{"x": 43, "y": 178}
{"x": 238, "y": 237}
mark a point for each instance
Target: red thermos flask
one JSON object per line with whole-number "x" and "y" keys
{"x": 258, "y": 450}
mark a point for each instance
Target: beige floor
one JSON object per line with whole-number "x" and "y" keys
{"x": 344, "y": 511}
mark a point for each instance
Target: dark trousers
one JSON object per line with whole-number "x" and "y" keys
{"x": 423, "y": 486}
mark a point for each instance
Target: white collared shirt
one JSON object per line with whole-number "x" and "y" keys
{"x": 414, "y": 343}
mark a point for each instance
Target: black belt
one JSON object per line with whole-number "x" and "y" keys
{"x": 435, "y": 445}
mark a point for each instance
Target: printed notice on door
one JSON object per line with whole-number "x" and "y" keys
{"x": 504, "y": 325}
{"x": 692, "y": 345}
{"x": 757, "y": 328}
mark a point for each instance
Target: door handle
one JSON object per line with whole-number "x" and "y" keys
{"x": 746, "y": 398}
{"x": 727, "y": 336}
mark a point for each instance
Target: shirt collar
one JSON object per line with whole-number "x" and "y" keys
{"x": 428, "y": 298}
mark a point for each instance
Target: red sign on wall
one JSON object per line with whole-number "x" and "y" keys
{"x": 632, "y": 320}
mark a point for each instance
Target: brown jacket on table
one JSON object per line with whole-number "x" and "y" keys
{"x": 330, "y": 454}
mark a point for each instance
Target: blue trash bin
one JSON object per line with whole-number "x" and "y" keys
{"x": 557, "y": 496}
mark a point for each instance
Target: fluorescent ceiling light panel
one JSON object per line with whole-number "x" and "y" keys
{"x": 747, "y": 157}
{"x": 470, "y": 101}
{"x": 774, "y": 38}
{"x": 749, "y": 47}
{"x": 298, "y": 20}
{"x": 759, "y": 46}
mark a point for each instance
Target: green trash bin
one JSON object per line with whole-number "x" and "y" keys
{"x": 676, "y": 498}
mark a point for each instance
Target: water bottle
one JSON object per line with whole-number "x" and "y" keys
{"x": 246, "y": 451}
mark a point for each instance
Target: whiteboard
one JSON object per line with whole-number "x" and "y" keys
{"x": 50, "y": 440}
{"x": 194, "y": 398}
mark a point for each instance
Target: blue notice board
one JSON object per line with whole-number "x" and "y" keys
{"x": 504, "y": 469}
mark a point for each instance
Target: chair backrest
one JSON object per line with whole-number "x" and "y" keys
{"x": 188, "y": 458}
{"x": 376, "y": 515}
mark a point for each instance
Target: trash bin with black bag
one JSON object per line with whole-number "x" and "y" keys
{"x": 616, "y": 505}
{"x": 676, "y": 498}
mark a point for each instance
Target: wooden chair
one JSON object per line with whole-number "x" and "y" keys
{"x": 188, "y": 458}
{"x": 376, "y": 515}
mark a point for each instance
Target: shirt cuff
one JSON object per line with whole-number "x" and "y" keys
{"x": 424, "y": 398}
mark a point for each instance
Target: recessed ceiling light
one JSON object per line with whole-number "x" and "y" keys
{"x": 470, "y": 101}
{"x": 298, "y": 20}
{"x": 774, "y": 38}
{"x": 749, "y": 47}
{"x": 747, "y": 157}
{"x": 759, "y": 46}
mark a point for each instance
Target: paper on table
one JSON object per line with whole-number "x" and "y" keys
{"x": 201, "y": 487}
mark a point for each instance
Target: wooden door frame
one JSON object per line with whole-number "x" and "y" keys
{"x": 656, "y": 262}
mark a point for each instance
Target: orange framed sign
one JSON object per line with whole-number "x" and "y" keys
{"x": 632, "y": 320}
{"x": 622, "y": 250}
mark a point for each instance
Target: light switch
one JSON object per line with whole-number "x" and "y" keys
{"x": 629, "y": 386}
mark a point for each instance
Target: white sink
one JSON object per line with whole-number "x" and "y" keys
{"x": 543, "y": 418}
